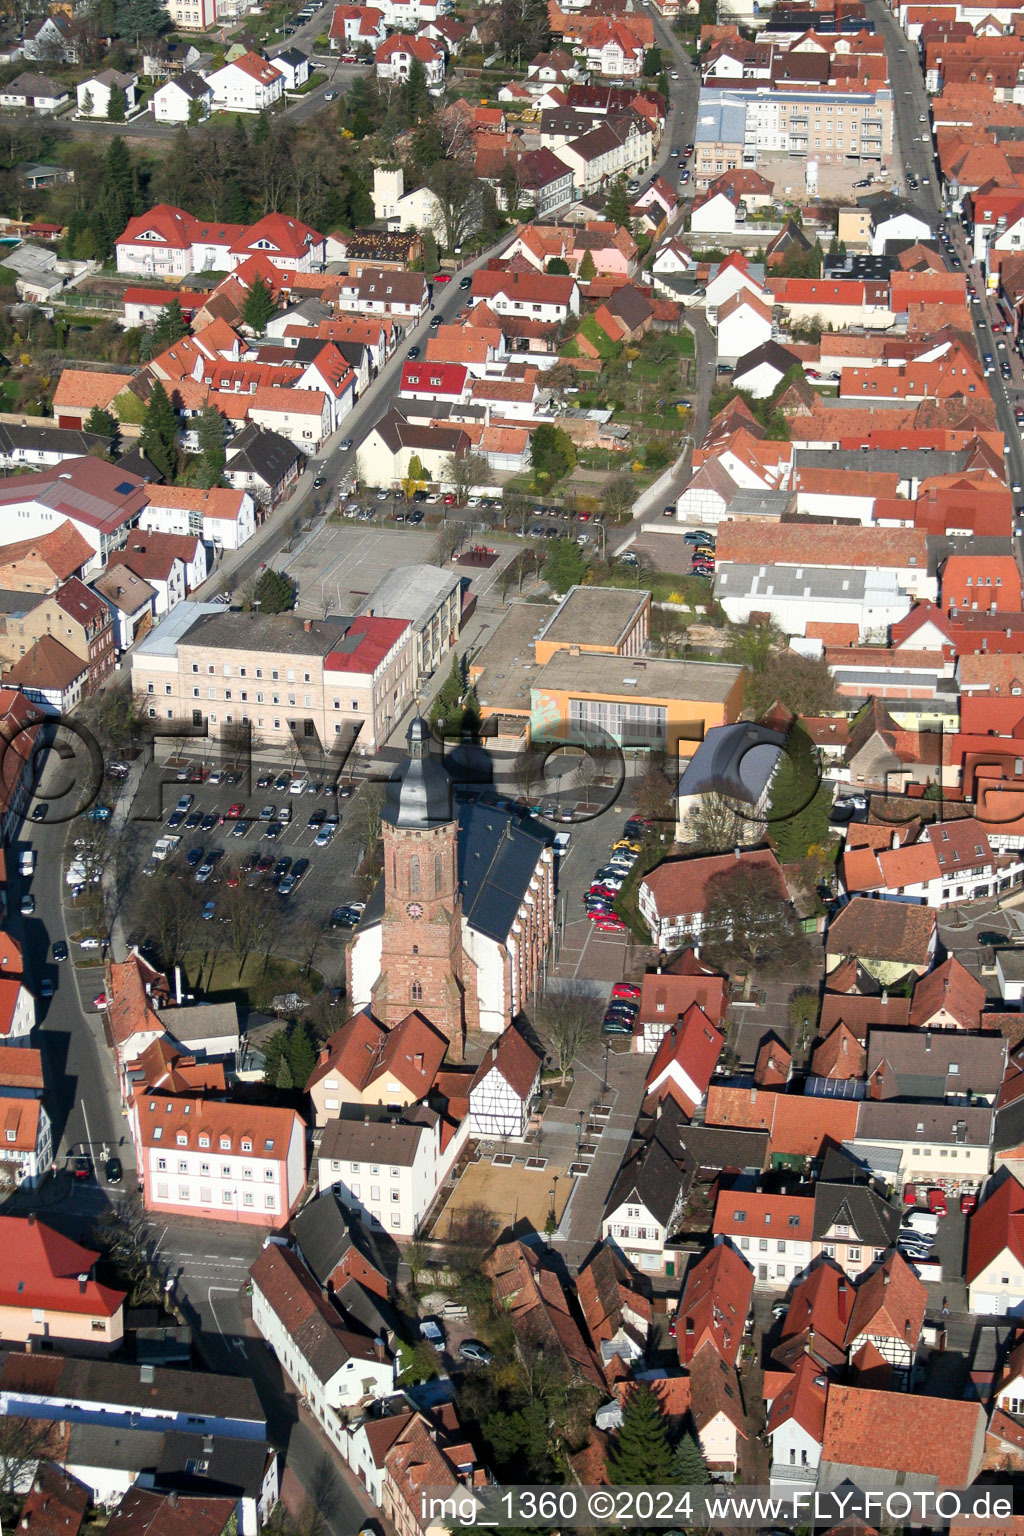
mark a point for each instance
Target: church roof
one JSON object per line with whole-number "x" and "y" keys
{"x": 498, "y": 854}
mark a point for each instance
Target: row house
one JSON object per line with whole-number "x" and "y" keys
{"x": 76, "y": 617}
{"x": 225, "y": 519}
{"x": 615, "y": 147}
{"x": 383, "y": 291}
{"x": 336, "y": 1370}
{"x": 533, "y": 295}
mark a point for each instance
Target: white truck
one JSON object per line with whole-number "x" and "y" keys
{"x": 165, "y": 845}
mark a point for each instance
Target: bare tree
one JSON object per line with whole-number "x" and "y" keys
{"x": 310, "y": 937}
{"x": 464, "y": 472}
{"x": 365, "y": 814}
{"x": 450, "y": 537}
{"x": 321, "y": 1503}
{"x": 618, "y": 495}
{"x": 170, "y": 911}
{"x": 571, "y": 1019}
{"x": 459, "y": 202}
{"x": 251, "y": 917}
{"x": 124, "y": 1236}
{"x": 716, "y": 826}
{"x": 24, "y": 1443}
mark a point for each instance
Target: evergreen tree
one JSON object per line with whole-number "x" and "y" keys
{"x": 259, "y": 306}
{"x": 283, "y": 1076}
{"x": 169, "y": 325}
{"x": 196, "y": 112}
{"x": 210, "y": 432}
{"x": 588, "y": 268}
{"x": 159, "y": 439}
{"x": 134, "y": 19}
{"x": 117, "y": 105}
{"x": 616, "y": 205}
{"x": 415, "y": 94}
{"x": 564, "y": 566}
{"x": 301, "y": 1055}
{"x": 688, "y": 1466}
{"x": 558, "y": 266}
{"x": 102, "y": 424}
{"x": 641, "y": 1455}
{"x": 274, "y": 593}
{"x": 88, "y": 105}
{"x": 652, "y": 63}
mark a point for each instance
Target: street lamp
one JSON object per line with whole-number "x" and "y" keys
{"x": 607, "y": 1048}
{"x": 579, "y": 1134}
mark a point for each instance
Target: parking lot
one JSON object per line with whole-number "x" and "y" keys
{"x": 326, "y": 873}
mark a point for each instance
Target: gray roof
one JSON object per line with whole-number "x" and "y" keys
{"x": 68, "y": 1380}
{"x": 908, "y": 463}
{"x": 720, "y": 121}
{"x": 211, "y": 1464}
{"x": 201, "y": 1021}
{"x": 413, "y": 592}
{"x": 504, "y": 665}
{"x": 164, "y": 639}
{"x": 1009, "y": 1127}
{"x": 594, "y": 615}
{"x": 1010, "y": 963}
{"x": 115, "y": 1447}
{"x": 498, "y": 852}
{"x": 770, "y": 352}
{"x": 420, "y": 793}
{"x": 263, "y": 453}
{"x": 921, "y": 1063}
{"x": 842, "y": 584}
{"x": 64, "y": 440}
{"x": 736, "y": 760}
{"x": 285, "y": 633}
{"x": 860, "y": 1207}
{"x": 702, "y": 681}
{"x": 654, "y": 1172}
{"x": 771, "y": 504}
{"x": 966, "y": 1124}
{"x": 713, "y": 1148}
{"x": 364, "y": 1134}
{"x": 364, "y": 1307}
{"x": 325, "y": 1232}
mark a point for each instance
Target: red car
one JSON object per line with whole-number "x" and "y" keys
{"x": 625, "y": 989}
{"x": 234, "y": 811}
{"x": 100, "y": 1000}
{"x": 441, "y": 277}
{"x": 910, "y": 1194}
{"x": 608, "y": 923}
{"x": 968, "y": 1203}
{"x": 449, "y": 500}
{"x": 937, "y": 1202}
{"x": 584, "y": 517}
{"x": 603, "y": 890}
{"x": 232, "y": 881}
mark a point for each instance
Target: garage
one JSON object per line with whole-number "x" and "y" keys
{"x": 985, "y": 1303}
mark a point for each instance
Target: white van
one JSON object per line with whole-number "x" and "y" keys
{"x": 562, "y": 841}
{"x": 284, "y": 815}
{"x": 922, "y": 1221}
{"x": 27, "y": 861}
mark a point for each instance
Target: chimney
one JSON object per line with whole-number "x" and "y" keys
{"x": 307, "y": 625}
{"x": 843, "y": 1302}
{"x": 927, "y": 1039}
{"x": 885, "y": 998}
{"x": 324, "y": 1053}
{"x": 736, "y": 854}
{"x": 31, "y": 1218}
{"x": 83, "y": 1281}
{"x": 886, "y": 1277}
{"x": 688, "y": 1341}
{"x": 417, "y": 1061}
{"x": 172, "y": 1499}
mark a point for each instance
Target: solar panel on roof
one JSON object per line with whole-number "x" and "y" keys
{"x": 125, "y": 488}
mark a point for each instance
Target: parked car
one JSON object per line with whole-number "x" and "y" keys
{"x": 937, "y": 1202}
{"x": 625, "y": 989}
{"x": 968, "y": 1203}
{"x": 82, "y": 1168}
{"x": 474, "y": 1351}
{"x": 60, "y": 950}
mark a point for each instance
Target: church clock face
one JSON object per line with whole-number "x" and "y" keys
{"x": 414, "y": 909}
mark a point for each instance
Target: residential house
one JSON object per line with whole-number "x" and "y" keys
{"x": 673, "y": 897}
{"x": 49, "y": 40}
{"x": 355, "y": 25}
{"x": 504, "y": 1088}
{"x": 684, "y": 1061}
{"x": 34, "y": 93}
{"x": 294, "y": 67}
{"x": 364, "y": 1062}
{"x": 50, "y": 675}
{"x": 795, "y": 1425}
{"x": 888, "y": 938}
{"x": 248, "y": 84}
{"x": 163, "y": 560}
{"x": 389, "y": 1167}
{"x": 49, "y": 1297}
{"x": 394, "y": 59}
{"x": 538, "y": 1307}
{"x": 338, "y": 1249}
{"x": 717, "y": 1408}
{"x": 618, "y": 1315}
{"x": 853, "y": 1223}
{"x": 645, "y": 1202}
{"x": 39, "y": 564}
{"x": 714, "y": 1305}
{"x": 96, "y": 93}
{"x": 73, "y": 615}
{"x": 182, "y": 99}
{"x": 621, "y": 146}
{"x": 303, "y": 416}
{"x": 942, "y": 1145}
{"x": 533, "y": 295}
{"x": 668, "y": 993}
{"x": 101, "y": 501}
{"x": 131, "y": 602}
{"x": 995, "y": 1252}
{"x": 337, "y": 1370}
{"x": 224, "y": 519}
{"x": 888, "y": 1317}
{"x": 772, "y": 1231}
{"x": 737, "y": 763}
{"x": 198, "y": 1156}
{"x": 265, "y": 465}
{"x": 392, "y": 443}
{"x": 545, "y": 181}
{"x": 168, "y": 242}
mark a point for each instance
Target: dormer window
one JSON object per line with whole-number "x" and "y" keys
{"x": 204, "y": 1140}
{"x": 182, "y": 1139}
{"x": 247, "y": 1145}
{"x": 225, "y": 1143}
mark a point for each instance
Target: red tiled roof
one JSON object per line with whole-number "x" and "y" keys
{"x": 714, "y": 1304}
{"x": 376, "y": 639}
{"x": 891, "y": 1302}
{"x": 39, "y": 1267}
{"x": 996, "y": 1226}
{"x": 902, "y": 1432}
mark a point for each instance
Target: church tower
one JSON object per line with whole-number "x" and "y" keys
{"x": 422, "y": 961}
